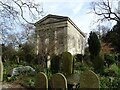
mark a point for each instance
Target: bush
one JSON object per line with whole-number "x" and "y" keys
{"x": 28, "y": 82}
{"x": 116, "y": 69}
{"x": 109, "y": 82}
{"x": 116, "y": 82}
{"x": 79, "y": 57}
{"x": 105, "y": 82}
{"x": 55, "y": 64}
{"x": 98, "y": 64}
{"x": 109, "y": 59}
{"x": 86, "y": 59}
{"x": 113, "y": 71}
{"x": 81, "y": 67}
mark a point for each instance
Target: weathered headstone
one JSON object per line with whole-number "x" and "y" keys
{"x": 89, "y": 80}
{"x": 1, "y": 65}
{"x": 41, "y": 81}
{"x": 67, "y": 60}
{"x": 59, "y": 81}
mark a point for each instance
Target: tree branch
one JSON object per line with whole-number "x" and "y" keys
{"x": 102, "y": 8}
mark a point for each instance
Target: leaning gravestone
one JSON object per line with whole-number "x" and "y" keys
{"x": 41, "y": 81}
{"x": 89, "y": 80}
{"x": 59, "y": 81}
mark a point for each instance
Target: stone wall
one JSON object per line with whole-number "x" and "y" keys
{"x": 59, "y": 34}
{"x": 51, "y": 37}
{"x": 76, "y": 41}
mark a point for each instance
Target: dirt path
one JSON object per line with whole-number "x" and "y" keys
{"x": 4, "y": 86}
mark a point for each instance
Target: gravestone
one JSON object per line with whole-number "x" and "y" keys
{"x": 1, "y": 65}
{"x": 41, "y": 81}
{"x": 59, "y": 81}
{"x": 67, "y": 60}
{"x": 89, "y": 80}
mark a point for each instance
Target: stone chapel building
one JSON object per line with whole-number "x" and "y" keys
{"x": 56, "y": 34}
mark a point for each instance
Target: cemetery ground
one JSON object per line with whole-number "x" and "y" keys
{"x": 108, "y": 75}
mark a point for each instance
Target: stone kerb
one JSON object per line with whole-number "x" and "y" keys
{"x": 89, "y": 79}
{"x": 59, "y": 81}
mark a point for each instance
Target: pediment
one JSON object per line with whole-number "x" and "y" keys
{"x": 55, "y": 19}
{"x": 51, "y": 18}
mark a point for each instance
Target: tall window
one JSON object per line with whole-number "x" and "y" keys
{"x": 79, "y": 44}
{"x": 60, "y": 35}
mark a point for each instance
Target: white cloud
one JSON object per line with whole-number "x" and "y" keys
{"x": 74, "y": 9}
{"x": 83, "y": 22}
{"x": 77, "y": 8}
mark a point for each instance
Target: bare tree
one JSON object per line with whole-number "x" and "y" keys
{"x": 16, "y": 13}
{"x": 106, "y": 10}
{"x": 101, "y": 30}
{"x": 15, "y": 9}
{"x": 109, "y": 10}
{"x": 50, "y": 41}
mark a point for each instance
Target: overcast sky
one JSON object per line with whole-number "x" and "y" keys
{"x": 77, "y": 10}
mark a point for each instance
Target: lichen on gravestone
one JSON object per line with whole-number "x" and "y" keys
{"x": 41, "y": 81}
{"x": 67, "y": 60}
{"x": 89, "y": 79}
{"x": 59, "y": 81}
